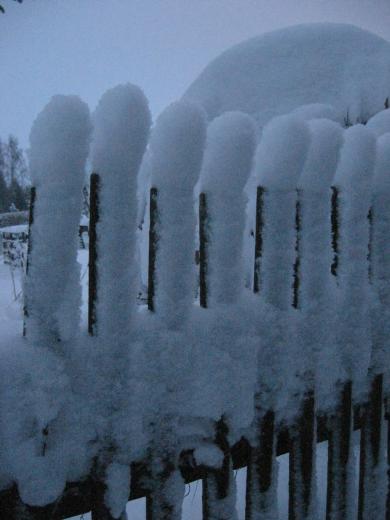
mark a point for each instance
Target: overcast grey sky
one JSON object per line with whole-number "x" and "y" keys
{"x": 86, "y": 46}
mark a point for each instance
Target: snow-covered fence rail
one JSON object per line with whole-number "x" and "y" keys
{"x": 210, "y": 376}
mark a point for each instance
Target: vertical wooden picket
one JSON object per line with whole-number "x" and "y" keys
{"x": 92, "y": 263}
{"x": 371, "y": 437}
{"x": 217, "y": 485}
{"x": 99, "y": 510}
{"x": 303, "y": 434}
{"x": 260, "y": 495}
{"x": 302, "y": 461}
{"x": 203, "y": 250}
{"x": 219, "y": 498}
{"x": 33, "y": 195}
{"x": 388, "y": 460}
{"x": 341, "y": 424}
{"x": 370, "y": 452}
{"x": 163, "y": 473}
{"x": 262, "y": 453}
{"x": 153, "y": 216}
{"x": 335, "y": 229}
{"x": 339, "y": 452}
{"x": 258, "y": 238}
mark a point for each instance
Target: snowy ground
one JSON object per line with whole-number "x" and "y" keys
{"x": 11, "y": 321}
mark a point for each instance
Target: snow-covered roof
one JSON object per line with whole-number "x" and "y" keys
{"x": 335, "y": 64}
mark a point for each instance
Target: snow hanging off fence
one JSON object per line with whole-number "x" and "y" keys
{"x": 158, "y": 381}
{"x": 59, "y": 146}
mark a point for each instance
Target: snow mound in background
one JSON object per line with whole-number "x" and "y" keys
{"x": 334, "y": 64}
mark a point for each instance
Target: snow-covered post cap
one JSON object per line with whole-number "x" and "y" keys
{"x": 121, "y": 129}
{"x": 177, "y": 145}
{"x": 323, "y": 155}
{"x": 281, "y": 153}
{"x": 228, "y": 157}
{"x": 59, "y": 146}
{"x": 176, "y": 152}
{"x": 230, "y": 146}
{"x": 381, "y": 181}
{"x": 355, "y": 168}
{"x": 380, "y": 123}
{"x": 315, "y": 111}
{"x": 59, "y": 141}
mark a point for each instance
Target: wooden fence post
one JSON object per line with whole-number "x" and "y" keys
{"x": 370, "y": 449}
{"x": 341, "y": 424}
{"x": 371, "y": 440}
{"x": 303, "y": 436}
{"x": 261, "y": 468}
{"x": 338, "y": 456}
{"x": 262, "y": 454}
{"x": 153, "y": 212}
{"x": 29, "y": 248}
{"x": 93, "y": 254}
{"x": 216, "y": 485}
{"x": 203, "y": 250}
{"x": 258, "y": 238}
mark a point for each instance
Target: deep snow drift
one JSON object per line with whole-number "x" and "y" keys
{"x": 336, "y": 64}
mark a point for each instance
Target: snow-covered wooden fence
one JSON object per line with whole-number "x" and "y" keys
{"x": 194, "y": 387}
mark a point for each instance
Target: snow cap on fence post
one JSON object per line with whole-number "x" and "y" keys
{"x": 230, "y": 146}
{"x": 380, "y": 123}
{"x": 280, "y": 157}
{"x": 281, "y": 153}
{"x": 59, "y": 145}
{"x": 176, "y": 151}
{"x": 121, "y": 130}
{"x": 322, "y": 156}
{"x": 381, "y": 181}
{"x": 355, "y": 169}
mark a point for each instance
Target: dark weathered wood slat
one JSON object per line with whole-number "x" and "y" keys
{"x": 334, "y": 217}
{"x": 33, "y": 195}
{"x": 302, "y": 462}
{"x": 258, "y": 238}
{"x": 261, "y": 469}
{"x": 93, "y": 254}
{"x": 338, "y": 457}
{"x": 203, "y": 250}
{"x": 153, "y": 218}
{"x": 370, "y": 448}
{"x": 219, "y": 484}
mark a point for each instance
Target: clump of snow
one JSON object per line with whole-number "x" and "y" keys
{"x": 122, "y": 122}
{"x": 322, "y": 157}
{"x": 353, "y": 179}
{"x": 327, "y": 63}
{"x": 227, "y": 163}
{"x": 121, "y": 130}
{"x": 281, "y": 153}
{"x": 279, "y": 161}
{"x": 380, "y": 123}
{"x": 150, "y": 385}
{"x": 316, "y": 284}
{"x": 118, "y": 488}
{"x": 316, "y": 111}
{"x": 59, "y": 144}
{"x": 209, "y": 455}
{"x": 176, "y": 151}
